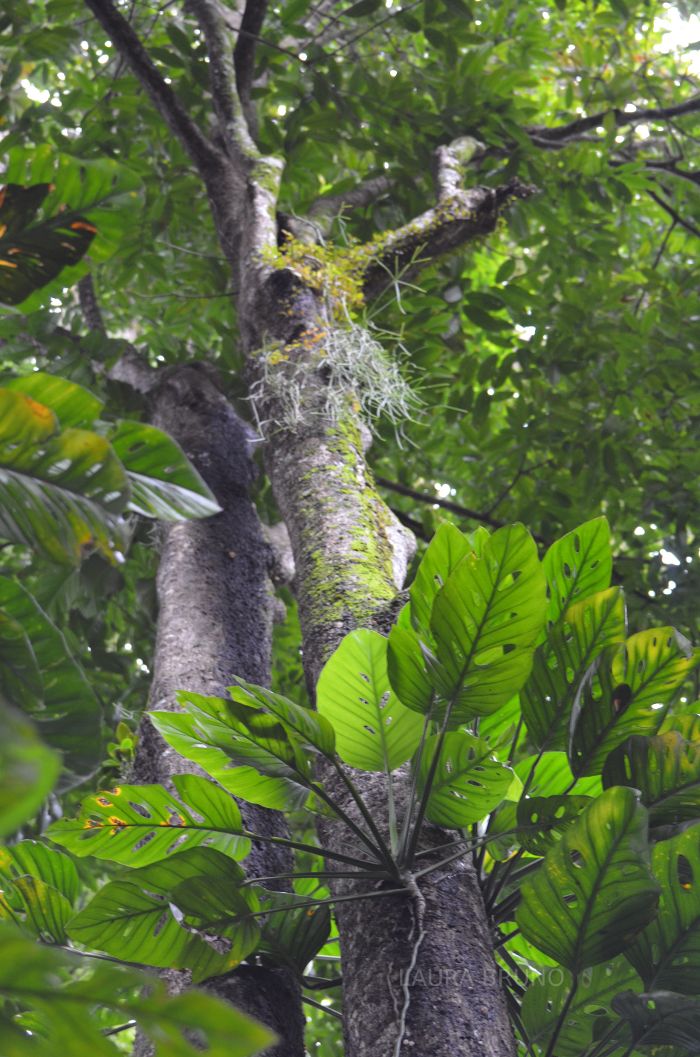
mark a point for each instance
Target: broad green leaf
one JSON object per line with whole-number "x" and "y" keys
{"x": 20, "y": 678}
{"x": 444, "y": 552}
{"x": 134, "y": 919}
{"x": 594, "y": 890}
{"x": 59, "y": 491}
{"x": 577, "y": 565}
{"x": 72, "y": 404}
{"x": 661, "y": 1019}
{"x": 485, "y": 622}
{"x": 407, "y": 670}
{"x": 665, "y": 768}
{"x": 667, "y": 953}
{"x": 164, "y": 483}
{"x": 545, "y": 998}
{"x": 469, "y": 782}
{"x": 28, "y": 770}
{"x": 292, "y": 938}
{"x": 373, "y": 730}
{"x": 560, "y": 663}
{"x": 67, "y": 714}
{"x": 48, "y": 864}
{"x": 627, "y": 692}
{"x": 687, "y": 724}
{"x": 38, "y": 907}
{"x": 311, "y": 727}
{"x": 267, "y": 767}
{"x": 141, "y": 824}
{"x": 543, "y": 819}
{"x": 62, "y": 991}
{"x": 33, "y": 252}
{"x": 549, "y": 774}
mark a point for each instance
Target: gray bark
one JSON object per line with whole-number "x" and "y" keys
{"x": 215, "y": 614}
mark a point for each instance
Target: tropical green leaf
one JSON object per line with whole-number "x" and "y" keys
{"x": 38, "y": 907}
{"x": 141, "y": 824}
{"x": 667, "y": 953}
{"x": 20, "y": 678}
{"x": 294, "y": 937}
{"x": 597, "y": 987}
{"x": 67, "y": 713}
{"x": 661, "y": 1019}
{"x": 72, "y": 404}
{"x": 408, "y": 671}
{"x": 469, "y": 782}
{"x": 63, "y": 990}
{"x": 543, "y": 819}
{"x": 577, "y": 565}
{"x": 373, "y": 730}
{"x": 687, "y": 725}
{"x": 627, "y": 692}
{"x": 549, "y": 774}
{"x": 665, "y": 768}
{"x": 485, "y": 621}
{"x": 32, "y": 253}
{"x": 28, "y": 770}
{"x": 444, "y": 552}
{"x": 180, "y": 731}
{"x": 48, "y": 864}
{"x": 594, "y": 890}
{"x": 164, "y": 483}
{"x": 314, "y": 730}
{"x": 136, "y": 917}
{"x": 59, "y": 491}
{"x": 560, "y": 663}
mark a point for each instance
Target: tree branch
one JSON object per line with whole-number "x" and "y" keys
{"x": 227, "y": 103}
{"x": 460, "y": 216}
{"x": 203, "y": 153}
{"x": 89, "y": 305}
{"x": 362, "y": 194}
{"x": 681, "y": 221}
{"x": 244, "y": 56}
{"x": 544, "y": 136}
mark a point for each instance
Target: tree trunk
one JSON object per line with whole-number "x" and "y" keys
{"x": 214, "y": 623}
{"x": 419, "y": 973}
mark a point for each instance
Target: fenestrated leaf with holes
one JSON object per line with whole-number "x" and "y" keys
{"x": 32, "y": 253}
{"x": 595, "y": 890}
{"x": 373, "y": 730}
{"x": 577, "y": 565}
{"x": 468, "y": 781}
{"x": 140, "y": 824}
{"x": 666, "y": 769}
{"x": 627, "y": 691}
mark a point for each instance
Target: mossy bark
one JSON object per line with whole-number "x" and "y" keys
{"x": 214, "y": 623}
{"x": 351, "y": 557}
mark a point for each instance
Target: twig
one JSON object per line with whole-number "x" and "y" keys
{"x": 622, "y": 117}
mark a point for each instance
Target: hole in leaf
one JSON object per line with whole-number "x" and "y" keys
{"x": 684, "y": 870}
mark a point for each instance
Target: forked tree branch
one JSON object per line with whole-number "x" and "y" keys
{"x": 202, "y": 152}
{"x": 362, "y": 194}
{"x": 460, "y": 216}
{"x": 227, "y": 104}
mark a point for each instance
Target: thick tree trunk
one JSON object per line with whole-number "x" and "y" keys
{"x": 441, "y": 996}
{"x": 215, "y": 615}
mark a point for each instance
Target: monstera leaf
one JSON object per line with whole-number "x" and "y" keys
{"x": 33, "y": 252}
{"x": 468, "y": 782}
{"x": 594, "y": 890}
{"x": 485, "y": 621}
{"x": 444, "y": 552}
{"x": 666, "y": 769}
{"x": 577, "y": 565}
{"x": 667, "y": 953}
{"x": 627, "y": 692}
{"x": 373, "y": 730}
{"x": 138, "y": 825}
